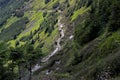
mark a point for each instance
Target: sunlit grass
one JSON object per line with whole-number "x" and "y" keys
{"x": 10, "y": 21}
{"x": 79, "y": 12}
{"x": 39, "y": 19}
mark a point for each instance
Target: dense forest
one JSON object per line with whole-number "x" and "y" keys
{"x": 59, "y": 40}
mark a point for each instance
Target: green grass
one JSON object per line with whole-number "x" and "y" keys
{"x": 38, "y": 4}
{"x": 79, "y": 12}
{"x": 9, "y": 22}
{"x": 109, "y": 43}
{"x": 38, "y": 20}
{"x": 72, "y": 2}
{"x": 51, "y": 3}
{"x": 14, "y": 29}
{"x": 48, "y": 40}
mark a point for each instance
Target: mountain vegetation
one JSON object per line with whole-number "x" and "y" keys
{"x": 83, "y": 35}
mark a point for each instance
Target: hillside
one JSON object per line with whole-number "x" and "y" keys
{"x": 59, "y": 40}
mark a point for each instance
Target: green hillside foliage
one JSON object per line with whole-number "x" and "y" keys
{"x": 9, "y": 8}
{"x": 14, "y": 29}
{"x": 29, "y": 31}
{"x": 97, "y": 37}
{"x": 99, "y": 21}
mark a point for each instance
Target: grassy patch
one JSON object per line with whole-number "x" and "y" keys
{"x": 49, "y": 40}
{"x": 14, "y": 29}
{"x": 79, "y": 12}
{"x": 9, "y": 22}
{"x": 37, "y": 16}
{"x": 110, "y": 42}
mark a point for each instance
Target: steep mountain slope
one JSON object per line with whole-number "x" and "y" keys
{"x": 94, "y": 52}
{"x": 60, "y": 39}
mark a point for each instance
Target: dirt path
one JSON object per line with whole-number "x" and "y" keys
{"x": 58, "y": 47}
{"x": 55, "y": 51}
